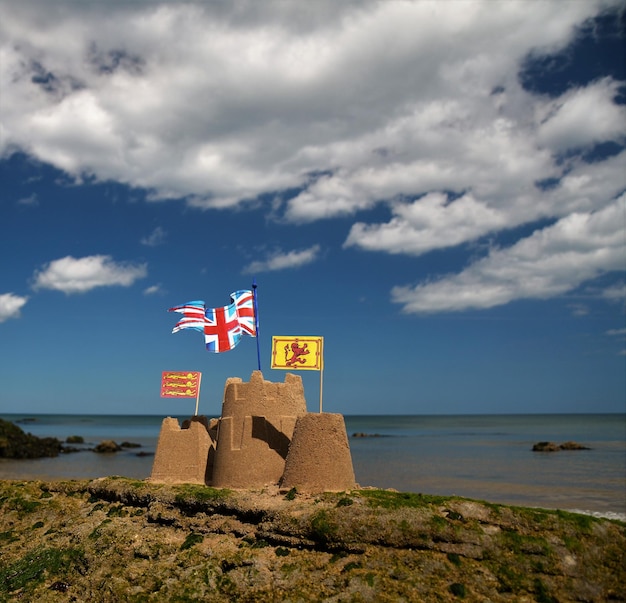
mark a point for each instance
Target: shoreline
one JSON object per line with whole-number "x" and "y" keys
{"x": 486, "y": 458}
{"x": 603, "y": 514}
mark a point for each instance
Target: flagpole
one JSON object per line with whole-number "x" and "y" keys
{"x": 256, "y": 321}
{"x": 195, "y": 414}
{"x": 321, "y": 385}
{"x": 321, "y": 371}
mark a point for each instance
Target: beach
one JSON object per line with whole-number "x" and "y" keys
{"x": 487, "y": 457}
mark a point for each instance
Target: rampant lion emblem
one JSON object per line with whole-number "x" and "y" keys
{"x": 297, "y": 352}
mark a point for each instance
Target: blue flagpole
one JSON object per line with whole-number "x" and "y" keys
{"x": 256, "y": 321}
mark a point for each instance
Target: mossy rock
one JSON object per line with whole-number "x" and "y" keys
{"x": 16, "y": 444}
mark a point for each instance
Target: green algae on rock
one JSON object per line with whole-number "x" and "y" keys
{"x": 118, "y": 539}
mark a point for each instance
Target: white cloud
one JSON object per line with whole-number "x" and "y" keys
{"x": 413, "y": 106}
{"x": 615, "y": 293}
{"x": 10, "y": 305}
{"x": 431, "y": 222}
{"x": 153, "y": 289}
{"x": 279, "y": 260}
{"x": 30, "y": 201}
{"x": 550, "y": 262}
{"x": 232, "y": 101}
{"x": 155, "y": 238}
{"x": 584, "y": 116}
{"x": 78, "y": 275}
{"x": 616, "y": 332}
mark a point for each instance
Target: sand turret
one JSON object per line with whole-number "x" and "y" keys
{"x": 319, "y": 456}
{"x": 258, "y": 419}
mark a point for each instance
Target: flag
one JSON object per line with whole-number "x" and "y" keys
{"x": 301, "y": 353}
{"x": 180, "y": 385}
{"x": 222, "y": 327}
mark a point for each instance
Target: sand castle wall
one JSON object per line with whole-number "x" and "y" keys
{"x": 184, "y": 455}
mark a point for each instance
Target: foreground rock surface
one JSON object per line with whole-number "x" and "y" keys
{"x": 116, "y": 539}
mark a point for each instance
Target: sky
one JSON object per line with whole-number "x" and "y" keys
{"x": 435, "y": 188}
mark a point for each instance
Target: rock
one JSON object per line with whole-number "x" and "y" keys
{"x": 361, "y": 434}
{"x": 130, "y": 445}
{"x": 107, "y": 446}
{"x": 117, "y": 539}
{"x": 75, "y": 440}
{"x": 552, "y": 447}
{"x": 573, "y": 446}
{"x": 15, "y": 444}
{"x": 545, "y": 447}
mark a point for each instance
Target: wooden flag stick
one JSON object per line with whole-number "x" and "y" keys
{"x": 321, "y": 385}
{"x": 195, "y": 414}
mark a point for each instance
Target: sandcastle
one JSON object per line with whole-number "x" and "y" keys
{"x": 265, "y": 436}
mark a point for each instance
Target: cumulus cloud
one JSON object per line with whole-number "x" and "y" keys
{"x": 10, "y": 305}
{"x": 280, "y": 260}
{"x": 153, "y": 289}
{"x": 275, "y": 100}
{"x": 616, "y": 332}
{"x": 431, "y": 222}
{"x": 550, "y": 262}
{"x": 79, "y": 275}
{"x": 329, "y": 109}
{"x": 615, "y": 293}
{"x": 30, "y": 201}
{"x": 583, "y": 117}
{"x": 155, "y": 238}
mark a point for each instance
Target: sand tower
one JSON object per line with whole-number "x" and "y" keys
{"x": 184, "y": 455}
{"x": 258, "y": 419}
{"x": 319, "y": 457}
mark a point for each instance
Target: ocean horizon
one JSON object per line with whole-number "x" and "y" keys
{"x": 486, "y": 457}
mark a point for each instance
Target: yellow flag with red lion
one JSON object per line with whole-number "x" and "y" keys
{"x": 297, "y": 353}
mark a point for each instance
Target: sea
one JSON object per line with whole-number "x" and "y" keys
{"x": 485, "y": 457}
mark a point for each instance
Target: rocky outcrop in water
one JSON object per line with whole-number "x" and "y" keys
{"x": 552, "y": 447}
{"x": 16, "y": 444}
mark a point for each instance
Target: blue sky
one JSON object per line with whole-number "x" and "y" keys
{"x": 436, "y": 188}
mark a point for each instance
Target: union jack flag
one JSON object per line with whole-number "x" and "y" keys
{"x": 222, "y": 327}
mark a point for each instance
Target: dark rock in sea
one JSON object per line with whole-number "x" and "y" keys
{"x": 15, "y": 444}
{"x": 69, "y": 449}
{"x": 573, "y": 446}
{"x": 144, "y": 453}
{"x": 360, "y": 434}
{"x": 107, "y": 446}
{"x": 130, "y": 445}
{"x": 545, "y": 447}
{"x": 552, "y": 447}
{"x": 75, "y": 440}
